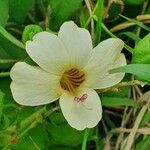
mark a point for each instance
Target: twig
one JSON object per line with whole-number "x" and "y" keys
{"x": 47, "y": 17}
{"x": 91, "y": 16}
{"x": 92, "y": 21}
{"x": 107, "y": 143}
{"x": 85, "y": 139}
{"x": 138, "y": 91}
{"x": 143, "y": 10}
{"x": 123, "y": 124}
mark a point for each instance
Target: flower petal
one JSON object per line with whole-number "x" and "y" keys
{"x": 105, "y": 53}
{"x": 83, "y": 114}
{"x": 98, "y": 79}
{"x": 33, "y": 86}
{"x": 48, "y": 52}
{"x": 77, "y": 41}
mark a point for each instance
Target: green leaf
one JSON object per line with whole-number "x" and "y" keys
{"x": 63, "y": 10}
{"x": 142, "y": 71}
{"x": 9, "y": 105}
{"x": 144, "y": 144}
{"x": 134, "y": 2}
{"x": 24, "y": 113}
{"x": 1, "y": 103}
{"x": 5, "y": 88}
{"x": 4, "y": 8}
{"x": 131, "y": 35}
{"x": 83, "y": 17}
{"x": 4, "y": 140}
{"x": 19, "y": 9}
{"x": 100, "y": 7}
{"x": 5, "y": 59}
{"x": 123, "y": 92}
{"x": 35, "y": 139}
{"x": 11, "y": 38}
{"x": 11, "y": 45}
{"x": 58, "y": 127}
{"x": 145, "y": 119}
{"x": 141, "y": 53}
{"x": 116, "y": 101}
{"x": 64, "y": 148}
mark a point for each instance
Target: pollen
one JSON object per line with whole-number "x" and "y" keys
{"x": 72, "y": 79}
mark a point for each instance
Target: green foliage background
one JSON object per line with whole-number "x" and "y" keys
{"x": 34, "y": 128}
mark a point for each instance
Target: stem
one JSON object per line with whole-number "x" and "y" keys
{"x": 119, "y": 85}
{"x": 85, "y": 139}
{"x": 99, "y": 21}
{"x": 4, "y": 74}
{"x": 6, "y": 61}
{"x": 47, "y": 17}
{"x": 52, "y": 110}
{"x": 31, "y": 126}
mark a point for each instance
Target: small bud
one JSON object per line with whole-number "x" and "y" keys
{"x": 30, "y": 31}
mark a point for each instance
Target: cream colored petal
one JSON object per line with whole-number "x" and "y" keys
{"x": 105, "y": 53}
{"x": 32, "y": 86}
{"x": 81, "y": 115}
{"x": 98, "y": 79}
{"x": 77, "y": 41}
{"x": 48, "y": 52}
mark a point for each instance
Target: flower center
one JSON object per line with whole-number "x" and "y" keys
{"x": 72, "y": 79}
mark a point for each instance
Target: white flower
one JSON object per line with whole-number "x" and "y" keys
{"x": 69, "y": 70}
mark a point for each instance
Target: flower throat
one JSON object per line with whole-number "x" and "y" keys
{"x": 72, "y": 79}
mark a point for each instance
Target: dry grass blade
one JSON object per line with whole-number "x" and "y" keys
{"x": 145, "y": 131}
{"x": 134, "y": 130}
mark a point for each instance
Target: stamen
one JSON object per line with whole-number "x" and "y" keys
{"x": 81, "y": 99}
{"x": 72, "y": 79}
